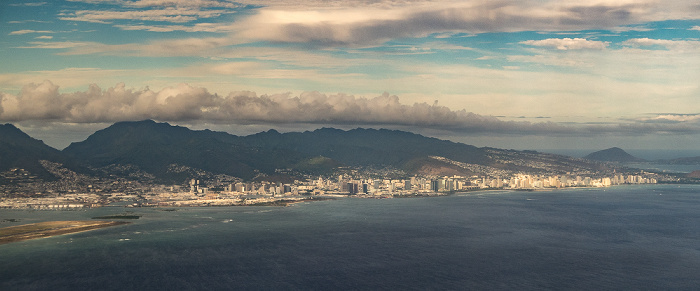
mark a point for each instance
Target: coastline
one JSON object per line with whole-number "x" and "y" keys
{"x": 51, "y": 228}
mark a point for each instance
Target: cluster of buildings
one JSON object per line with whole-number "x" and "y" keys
{"x": 346, "y": 185}
{"x": 236, "y": 192}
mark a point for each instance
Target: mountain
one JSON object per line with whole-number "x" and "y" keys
{"x": 694, "y": 174}
{"x": 174, "y": 153}
{"x": 682, "y": 161}
{"x": 159, "y": 148}
{"x": 19, "y": 150}
{"x": 165, "y": 150}
{"x": 367, "y": 147}
{"x": 614, "y": 154}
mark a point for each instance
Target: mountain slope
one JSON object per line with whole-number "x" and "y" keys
{"x": 614, "y": 154}
{"x": 172, "y": 153}
{"x": 157, "y": 148}
{"x": 683, "y": 161}
{"x": 19, "y": 150}
{"x": 362, "y": 147}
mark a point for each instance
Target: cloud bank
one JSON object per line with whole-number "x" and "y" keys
{"x": 185, "y": 103}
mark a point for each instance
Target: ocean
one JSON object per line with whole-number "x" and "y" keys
{"x": 626, "y": 237}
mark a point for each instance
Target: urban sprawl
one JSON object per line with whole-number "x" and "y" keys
{"x": 228, "y": 192}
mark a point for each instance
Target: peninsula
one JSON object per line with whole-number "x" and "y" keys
{"x": 51, "y": 228}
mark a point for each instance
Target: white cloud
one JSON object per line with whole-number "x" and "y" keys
{"x": 169, "y": 47}
{"x": 197, "y": 27}
{"x": 31, "y": 4}
{"x": 695, "y": 28}
{"x": 676, "y": 117}
{"x": 676, "y": 45}
{"x": 165, "y": 3}
{"x": 551, "y": 60}
{"x": 26, "y": 31}
{"x": 44, "y": 37}
{"x": 568, "y": 43}
{"x": 181, "y": 3}
{"x": 167, "y": 14}
{"x": 57, "y": 44}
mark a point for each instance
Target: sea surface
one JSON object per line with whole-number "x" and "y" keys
{"x": 625, "y": 237}
{"x": 664, "y": 168}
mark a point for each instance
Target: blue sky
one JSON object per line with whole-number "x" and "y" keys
{"x": 512, "y": 74}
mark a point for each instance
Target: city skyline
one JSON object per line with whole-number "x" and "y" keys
{"x": 510, "y": 74}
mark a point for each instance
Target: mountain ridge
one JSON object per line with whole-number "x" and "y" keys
{"x": 19, "y": 150}
{"x": 174, "y": 154}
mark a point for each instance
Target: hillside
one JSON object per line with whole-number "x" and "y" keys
{"x": 683, "y": 161}
{"x": 614, "y": 154}
{"x": 362, "y": 147}
{"x": 164, "y": 150}
{"x": 19, "y": 150}
{"x": 174, "y": 153}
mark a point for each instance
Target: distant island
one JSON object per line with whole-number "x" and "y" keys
{"x": 613, "y": 154}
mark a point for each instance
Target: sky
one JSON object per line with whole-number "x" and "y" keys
{"x": 532, "y": 74}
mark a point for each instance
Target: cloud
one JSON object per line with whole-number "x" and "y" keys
{"x": 168, "y": 14}
{"x": 31, "y": 4}
{"x": 26, "y": 31}
{"x": 181, "y": 3}
{"x": 355, "y": 24}
{"x": 57, "y": 44}
{"x": 368, "y": 23}
{"x": 43, "y": 101}
{"x": 164, "y": 3}
{"x": 674, "y": 118}
{"x": 568, "y": 43}
{"x": 695, "y": 28}
{"x": 197, "y": 27}
{"x": 185, "y": 103}
{"x": 44, "y": 37}
{"x": 676, "y": 45}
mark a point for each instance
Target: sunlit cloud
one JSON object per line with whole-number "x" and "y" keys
{"x": 169, "y": 14}
{"x": 29, "y": 4}
{"x": 56, "y": 44}
{"x": 197, "y": 27}
{"x": 568, "y": 43}
{"x": 26, "y": 31}
{"x": 185, "y": 103}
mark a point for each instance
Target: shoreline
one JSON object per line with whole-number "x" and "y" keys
{"x": 51, "y": 228}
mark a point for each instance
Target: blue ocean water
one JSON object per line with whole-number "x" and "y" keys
{"x": 627, "y": 237}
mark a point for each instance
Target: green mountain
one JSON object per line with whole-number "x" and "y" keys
{"x": 19, "y": 150}
{"x": 614, "y": 154}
